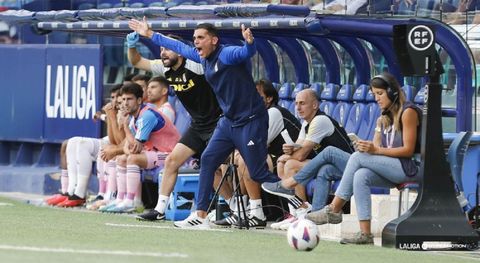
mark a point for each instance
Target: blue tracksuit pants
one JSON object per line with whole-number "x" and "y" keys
{"x": 249, "y": 139}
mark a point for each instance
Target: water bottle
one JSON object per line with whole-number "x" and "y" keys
{"x": 462, "y": 200}
{"x": 222, "y": 209}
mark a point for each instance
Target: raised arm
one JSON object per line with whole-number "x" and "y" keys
{"x": 133, "y": 55}
{"x": 142, "y": 28}
{"x": 234, "y": 54}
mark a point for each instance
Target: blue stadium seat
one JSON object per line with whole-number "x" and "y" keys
{"x": 357, "y": 112}
{"x": 118, "y": 5}
{"x": 285, "y": 95}
{"x": 86, "y": 6}
{"x": 293, "y": 111}
{"x": 171, "y": 4}
{"x": 276, "y": 85}
{"x": 367, "y": 123}
{"x": 420, "y": 97}
{"x": 182, "y": 119}
{"x": 137, "y": 5}
{"x": 318, "y": 88}
{"x": 409, "y": 92}
{"x": 156, "y": 4}
{"x": 342, "y": 109}
{"x": 328, "y": 98}
{"x": 299, "y": 87}
{"x": 104, "y": 6}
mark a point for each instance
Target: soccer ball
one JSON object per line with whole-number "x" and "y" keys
{"x": 303, "y": 235}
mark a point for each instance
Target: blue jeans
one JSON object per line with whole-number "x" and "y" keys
{"x": 364, "y": 171}
{"x": 327, "y": 166}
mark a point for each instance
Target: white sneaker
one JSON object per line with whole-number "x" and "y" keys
{"x": 302, "y": 212}
{"x": 287, "y": 221}
{"x": 193, "y": 221}
{"x": 287, "y": 224}
{"x": 298, "y": 214}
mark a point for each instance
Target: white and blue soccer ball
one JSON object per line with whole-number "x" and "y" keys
{"x": 303, "y": 235}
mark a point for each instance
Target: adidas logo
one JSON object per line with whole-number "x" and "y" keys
{"x": 250, "y": 143}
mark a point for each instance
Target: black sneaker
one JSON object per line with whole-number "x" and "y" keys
{"x": 152, "y": 215}
{"x": 97, "y": 198}
{"x": 227, "y": 221}
{"x": 253, "y": 222}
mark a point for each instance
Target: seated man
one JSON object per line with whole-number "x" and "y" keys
{"x": 318, "y": 132}
{"x": 142, "y": 80}
{"x": 340, "y": 7}
{"x": 157, "y": 96}
{"x": 154, "y": 136}
{"x": 279, "y": 119}
{"x": 77, "y": 156}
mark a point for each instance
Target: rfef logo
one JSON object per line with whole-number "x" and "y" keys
{"x": 420, "y": 38}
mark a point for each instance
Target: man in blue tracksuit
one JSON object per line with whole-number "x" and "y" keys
{"x": 244, "y": 125}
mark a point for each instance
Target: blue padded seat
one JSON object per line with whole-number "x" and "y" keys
{"x": 409, "y": 92}
{"x": 276, "y": 85}
{"x": 318, "y": 88}
{"x": 367, "y": 123}
{"x": 420, "y": 97}
{"x": 285, "y": 95}
{"x": 328, "y": 98}
{"x": 342, "y": 109}
{"x": 299, "y": 87}
{"x": 358, "y": 110}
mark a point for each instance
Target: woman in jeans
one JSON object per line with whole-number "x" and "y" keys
{"x": 386, "y": 161}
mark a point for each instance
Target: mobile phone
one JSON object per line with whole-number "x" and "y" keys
{"x": 353, "y": 137}
{"x": 296, "y": 145}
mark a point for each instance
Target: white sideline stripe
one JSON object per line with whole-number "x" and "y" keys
{"x": 167, "y": 227}
{"x": 93, "y": 252}
{"x": 6, "y": 204}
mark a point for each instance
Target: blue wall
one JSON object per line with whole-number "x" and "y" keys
{"x": 50, "y": 92}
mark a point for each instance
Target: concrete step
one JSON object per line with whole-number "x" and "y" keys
{"x": 384, "y": 210}
{"x": 35, "y": 180}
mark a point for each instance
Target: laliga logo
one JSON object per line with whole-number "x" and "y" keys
{"x": 70, "y": 92}
{"x": 420, "y": 38}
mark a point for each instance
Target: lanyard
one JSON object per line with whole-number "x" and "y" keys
{"x": 390, "y": 138}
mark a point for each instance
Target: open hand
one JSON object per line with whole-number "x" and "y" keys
{"x": 141, "y": 27}
{"x": 247, "y": 34}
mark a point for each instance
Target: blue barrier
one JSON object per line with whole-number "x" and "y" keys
{"x": 59, "y": 87}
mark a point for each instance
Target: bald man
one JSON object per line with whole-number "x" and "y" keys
{"x": 318, "y": 132}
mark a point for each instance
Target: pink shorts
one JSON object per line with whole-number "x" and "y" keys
{"x": 155, "y": 159}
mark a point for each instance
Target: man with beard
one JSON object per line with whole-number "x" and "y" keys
{"x": 196, "y": 95}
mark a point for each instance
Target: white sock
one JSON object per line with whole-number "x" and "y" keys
{"x": 162, "y": 203}
{"x": 232, "y": 202}
{"x": 256, "y": 208}
{"x": 71, "y": 153}
{"x": 84, "y": 165}
{"x": 228, "y": 202}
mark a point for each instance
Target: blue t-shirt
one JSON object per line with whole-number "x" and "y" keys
{"x": 147, "y": 122}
